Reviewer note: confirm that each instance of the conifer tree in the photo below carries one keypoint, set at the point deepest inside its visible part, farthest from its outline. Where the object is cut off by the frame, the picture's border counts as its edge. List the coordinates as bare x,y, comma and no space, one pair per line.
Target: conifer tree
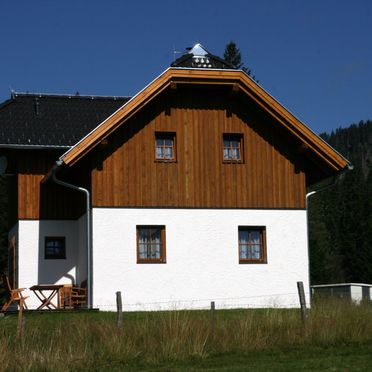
232,55
340,219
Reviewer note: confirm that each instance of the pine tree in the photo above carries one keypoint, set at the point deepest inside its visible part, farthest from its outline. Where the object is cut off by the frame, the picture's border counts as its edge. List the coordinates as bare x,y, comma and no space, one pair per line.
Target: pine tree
232,55
340,219
319,242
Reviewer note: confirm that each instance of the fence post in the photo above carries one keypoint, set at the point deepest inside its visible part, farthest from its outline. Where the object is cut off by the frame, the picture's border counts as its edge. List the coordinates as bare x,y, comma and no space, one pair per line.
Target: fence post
213,315
301,295
21,322
119,308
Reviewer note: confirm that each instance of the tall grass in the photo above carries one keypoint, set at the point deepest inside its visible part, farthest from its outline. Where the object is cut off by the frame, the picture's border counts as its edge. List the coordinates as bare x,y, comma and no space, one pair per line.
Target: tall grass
92,341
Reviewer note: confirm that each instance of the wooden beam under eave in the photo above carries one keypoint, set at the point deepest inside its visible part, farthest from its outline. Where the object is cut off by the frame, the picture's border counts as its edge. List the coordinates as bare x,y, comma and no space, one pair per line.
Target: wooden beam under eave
235,88
264,99
302,148
305,135
209,77
111,124
104,142
336,161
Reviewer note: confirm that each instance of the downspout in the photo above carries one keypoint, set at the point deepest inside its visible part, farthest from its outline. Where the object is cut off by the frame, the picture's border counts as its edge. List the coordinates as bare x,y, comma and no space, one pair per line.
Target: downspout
88,228
349,167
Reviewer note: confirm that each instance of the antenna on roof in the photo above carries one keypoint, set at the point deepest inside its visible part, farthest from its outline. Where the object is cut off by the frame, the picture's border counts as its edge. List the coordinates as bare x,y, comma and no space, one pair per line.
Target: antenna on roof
12,92
175,52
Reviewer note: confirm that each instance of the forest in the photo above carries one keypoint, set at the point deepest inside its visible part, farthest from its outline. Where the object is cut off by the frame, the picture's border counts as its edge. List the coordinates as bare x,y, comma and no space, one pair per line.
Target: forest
340,217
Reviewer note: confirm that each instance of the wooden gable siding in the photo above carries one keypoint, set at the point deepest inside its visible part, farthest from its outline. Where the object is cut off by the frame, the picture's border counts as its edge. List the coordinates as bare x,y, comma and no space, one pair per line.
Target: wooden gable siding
12,193
125,173
42,201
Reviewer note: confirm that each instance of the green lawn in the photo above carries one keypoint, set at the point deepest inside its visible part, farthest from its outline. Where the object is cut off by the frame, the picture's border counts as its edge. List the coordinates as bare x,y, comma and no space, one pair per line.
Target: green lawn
344,358
338,337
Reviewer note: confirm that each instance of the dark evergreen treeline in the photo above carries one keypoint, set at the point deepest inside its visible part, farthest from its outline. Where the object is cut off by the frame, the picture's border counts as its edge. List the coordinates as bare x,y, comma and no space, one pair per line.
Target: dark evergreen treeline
340,218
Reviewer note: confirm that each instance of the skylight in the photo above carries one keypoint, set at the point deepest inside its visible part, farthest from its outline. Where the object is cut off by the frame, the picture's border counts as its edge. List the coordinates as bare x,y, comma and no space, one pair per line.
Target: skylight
200,57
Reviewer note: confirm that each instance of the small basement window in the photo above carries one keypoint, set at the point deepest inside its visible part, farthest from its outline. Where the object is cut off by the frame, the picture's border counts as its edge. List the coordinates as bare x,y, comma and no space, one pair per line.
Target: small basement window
252,244
55,247
165,146
232,148
151,244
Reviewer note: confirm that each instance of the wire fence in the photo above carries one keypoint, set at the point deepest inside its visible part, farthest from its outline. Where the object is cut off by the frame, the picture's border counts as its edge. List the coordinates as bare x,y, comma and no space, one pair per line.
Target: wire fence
108,302
276,300
269,301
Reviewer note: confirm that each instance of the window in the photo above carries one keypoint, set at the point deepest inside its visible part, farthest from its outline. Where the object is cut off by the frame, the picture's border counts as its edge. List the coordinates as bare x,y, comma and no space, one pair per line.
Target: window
150,244
165,146
252,244
55,247
233,148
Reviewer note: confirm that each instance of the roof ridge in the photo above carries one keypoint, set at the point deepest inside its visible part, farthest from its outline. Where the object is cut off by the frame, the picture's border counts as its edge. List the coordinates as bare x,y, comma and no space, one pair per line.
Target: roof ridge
58,95
334,160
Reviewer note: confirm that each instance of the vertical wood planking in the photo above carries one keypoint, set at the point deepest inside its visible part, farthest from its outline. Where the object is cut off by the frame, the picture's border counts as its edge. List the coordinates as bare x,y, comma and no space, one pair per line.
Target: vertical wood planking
199,178
36,200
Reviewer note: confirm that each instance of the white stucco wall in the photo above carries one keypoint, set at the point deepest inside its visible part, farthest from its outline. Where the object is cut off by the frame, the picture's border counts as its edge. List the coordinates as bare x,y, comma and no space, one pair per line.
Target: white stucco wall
33,267
81,269
356,293
202,262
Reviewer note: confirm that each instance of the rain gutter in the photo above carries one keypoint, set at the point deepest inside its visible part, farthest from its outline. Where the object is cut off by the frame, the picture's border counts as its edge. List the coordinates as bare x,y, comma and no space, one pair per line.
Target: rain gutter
34,147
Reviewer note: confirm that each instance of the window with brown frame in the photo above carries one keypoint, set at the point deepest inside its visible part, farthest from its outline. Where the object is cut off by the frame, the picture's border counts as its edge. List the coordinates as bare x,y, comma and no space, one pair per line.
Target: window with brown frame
55,248
252,244
232,148
165,146
151,244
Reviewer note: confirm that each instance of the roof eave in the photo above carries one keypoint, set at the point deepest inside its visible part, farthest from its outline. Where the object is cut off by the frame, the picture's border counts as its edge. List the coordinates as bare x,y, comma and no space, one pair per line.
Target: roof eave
208,76
33,147
68,156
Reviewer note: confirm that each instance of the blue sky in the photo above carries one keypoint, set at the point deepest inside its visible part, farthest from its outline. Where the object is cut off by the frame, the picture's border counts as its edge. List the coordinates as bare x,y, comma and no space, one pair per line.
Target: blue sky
315,57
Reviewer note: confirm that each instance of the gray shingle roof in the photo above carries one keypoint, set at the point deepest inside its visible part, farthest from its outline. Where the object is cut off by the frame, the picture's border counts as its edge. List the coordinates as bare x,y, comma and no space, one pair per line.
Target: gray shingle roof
29,119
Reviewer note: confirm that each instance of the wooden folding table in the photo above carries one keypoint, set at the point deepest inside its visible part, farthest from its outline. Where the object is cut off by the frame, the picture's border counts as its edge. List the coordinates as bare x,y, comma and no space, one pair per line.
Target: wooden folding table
46,293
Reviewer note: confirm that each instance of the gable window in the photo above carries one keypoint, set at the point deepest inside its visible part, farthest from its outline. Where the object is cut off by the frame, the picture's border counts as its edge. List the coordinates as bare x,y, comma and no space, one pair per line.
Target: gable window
233,148
55,247
165,146
150,244
252,244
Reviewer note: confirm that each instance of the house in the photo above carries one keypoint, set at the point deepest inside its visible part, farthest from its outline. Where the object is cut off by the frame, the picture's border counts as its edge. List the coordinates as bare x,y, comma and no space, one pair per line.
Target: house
351,291
191,191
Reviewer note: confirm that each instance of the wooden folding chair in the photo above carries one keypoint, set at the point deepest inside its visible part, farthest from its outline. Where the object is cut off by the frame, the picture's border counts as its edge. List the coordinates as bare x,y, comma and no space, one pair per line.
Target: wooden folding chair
64,297
14,295
71,296
79,295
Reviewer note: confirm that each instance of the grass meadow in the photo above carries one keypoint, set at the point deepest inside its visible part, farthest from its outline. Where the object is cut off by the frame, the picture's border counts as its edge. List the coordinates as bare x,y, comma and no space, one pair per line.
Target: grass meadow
337,337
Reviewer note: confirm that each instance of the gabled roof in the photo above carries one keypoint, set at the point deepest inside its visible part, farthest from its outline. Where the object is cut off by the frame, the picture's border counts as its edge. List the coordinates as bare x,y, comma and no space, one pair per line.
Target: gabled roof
47,120
236,78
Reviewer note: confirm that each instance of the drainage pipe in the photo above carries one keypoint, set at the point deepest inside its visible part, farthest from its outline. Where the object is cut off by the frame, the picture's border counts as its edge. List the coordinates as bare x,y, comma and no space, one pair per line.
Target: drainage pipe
88,228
